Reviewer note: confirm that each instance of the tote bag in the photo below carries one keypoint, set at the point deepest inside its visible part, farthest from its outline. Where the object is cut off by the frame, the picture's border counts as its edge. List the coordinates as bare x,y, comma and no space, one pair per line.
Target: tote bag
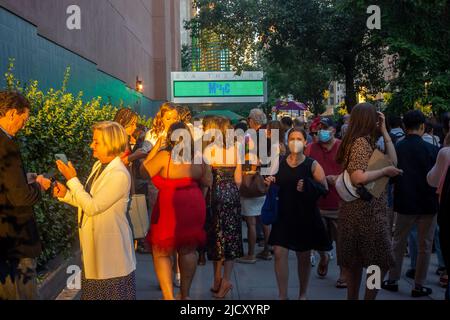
138,212
269,211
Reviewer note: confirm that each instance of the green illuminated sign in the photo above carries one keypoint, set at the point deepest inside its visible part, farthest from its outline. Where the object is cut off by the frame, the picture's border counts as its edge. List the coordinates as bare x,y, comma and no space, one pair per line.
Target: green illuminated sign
243,88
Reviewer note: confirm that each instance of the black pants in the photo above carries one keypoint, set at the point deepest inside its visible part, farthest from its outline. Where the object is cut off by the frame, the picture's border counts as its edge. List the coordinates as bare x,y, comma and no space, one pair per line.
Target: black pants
18,280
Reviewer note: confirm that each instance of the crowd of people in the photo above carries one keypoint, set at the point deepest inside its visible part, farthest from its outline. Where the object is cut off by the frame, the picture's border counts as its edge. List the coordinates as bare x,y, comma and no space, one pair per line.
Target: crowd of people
198,210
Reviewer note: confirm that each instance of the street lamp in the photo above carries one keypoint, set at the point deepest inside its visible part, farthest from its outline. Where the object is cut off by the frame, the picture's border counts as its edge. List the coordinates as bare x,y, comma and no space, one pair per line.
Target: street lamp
139,85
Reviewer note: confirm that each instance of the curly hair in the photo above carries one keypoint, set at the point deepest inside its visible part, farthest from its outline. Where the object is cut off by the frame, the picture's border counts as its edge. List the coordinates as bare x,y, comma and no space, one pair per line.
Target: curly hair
158,124
184,113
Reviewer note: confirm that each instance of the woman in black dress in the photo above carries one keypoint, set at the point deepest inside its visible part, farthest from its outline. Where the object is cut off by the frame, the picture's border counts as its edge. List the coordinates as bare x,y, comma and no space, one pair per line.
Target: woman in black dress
299,226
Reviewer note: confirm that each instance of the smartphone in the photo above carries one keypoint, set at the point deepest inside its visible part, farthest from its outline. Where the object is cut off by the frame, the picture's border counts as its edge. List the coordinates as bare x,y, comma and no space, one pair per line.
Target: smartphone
62,157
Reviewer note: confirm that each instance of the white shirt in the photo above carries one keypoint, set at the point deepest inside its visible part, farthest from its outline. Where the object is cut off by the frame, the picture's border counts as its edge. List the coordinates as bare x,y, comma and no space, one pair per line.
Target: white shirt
431,139
150,141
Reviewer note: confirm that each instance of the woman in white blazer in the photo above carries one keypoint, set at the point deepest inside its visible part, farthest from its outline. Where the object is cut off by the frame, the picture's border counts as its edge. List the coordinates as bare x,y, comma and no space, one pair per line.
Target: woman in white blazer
109,262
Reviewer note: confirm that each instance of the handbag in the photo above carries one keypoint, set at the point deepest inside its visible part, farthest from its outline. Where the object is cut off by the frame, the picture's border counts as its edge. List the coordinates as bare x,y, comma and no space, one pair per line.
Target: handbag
345,188
269,211
253,185
347,191
138,212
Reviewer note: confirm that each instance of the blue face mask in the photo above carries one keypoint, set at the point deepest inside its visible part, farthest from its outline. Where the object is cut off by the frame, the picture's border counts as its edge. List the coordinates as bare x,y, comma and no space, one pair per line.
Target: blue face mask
324,136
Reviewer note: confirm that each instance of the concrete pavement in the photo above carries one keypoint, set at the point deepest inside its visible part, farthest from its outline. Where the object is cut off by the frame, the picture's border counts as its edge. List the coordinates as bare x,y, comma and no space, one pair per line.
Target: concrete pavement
257,282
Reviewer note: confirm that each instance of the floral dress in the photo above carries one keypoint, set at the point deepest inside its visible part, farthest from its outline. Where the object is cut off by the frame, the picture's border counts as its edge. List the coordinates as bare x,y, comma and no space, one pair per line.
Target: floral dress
224,223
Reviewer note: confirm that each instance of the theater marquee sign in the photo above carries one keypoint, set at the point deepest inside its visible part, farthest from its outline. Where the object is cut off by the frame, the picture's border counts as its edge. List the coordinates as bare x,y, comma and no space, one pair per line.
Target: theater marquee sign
218,87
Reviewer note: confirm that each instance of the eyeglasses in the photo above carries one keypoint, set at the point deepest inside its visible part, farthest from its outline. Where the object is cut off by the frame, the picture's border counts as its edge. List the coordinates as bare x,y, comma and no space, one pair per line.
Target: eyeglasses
313,134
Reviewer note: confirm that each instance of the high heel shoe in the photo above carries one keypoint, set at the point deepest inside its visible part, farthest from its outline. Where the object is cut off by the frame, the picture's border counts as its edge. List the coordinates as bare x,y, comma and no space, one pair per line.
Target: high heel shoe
223,291
216,288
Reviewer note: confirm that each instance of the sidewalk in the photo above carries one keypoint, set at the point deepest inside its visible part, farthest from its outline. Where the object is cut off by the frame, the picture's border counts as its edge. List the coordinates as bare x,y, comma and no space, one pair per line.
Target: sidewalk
257,282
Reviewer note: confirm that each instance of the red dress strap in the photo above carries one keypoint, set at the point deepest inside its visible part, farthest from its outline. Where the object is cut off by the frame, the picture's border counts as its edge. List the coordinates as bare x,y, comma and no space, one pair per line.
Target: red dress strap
168,164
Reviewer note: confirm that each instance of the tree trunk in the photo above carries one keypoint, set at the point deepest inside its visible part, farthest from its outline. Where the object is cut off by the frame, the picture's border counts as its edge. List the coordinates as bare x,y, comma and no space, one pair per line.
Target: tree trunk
350,96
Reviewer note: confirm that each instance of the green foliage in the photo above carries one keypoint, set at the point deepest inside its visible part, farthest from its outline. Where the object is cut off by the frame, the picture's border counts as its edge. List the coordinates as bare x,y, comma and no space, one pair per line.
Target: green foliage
59,123
147,122
186,58
418,34
330,35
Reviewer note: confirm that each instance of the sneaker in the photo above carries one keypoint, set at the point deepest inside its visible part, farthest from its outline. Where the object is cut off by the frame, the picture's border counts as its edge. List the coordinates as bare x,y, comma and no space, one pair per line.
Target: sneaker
390,285
246,260
411,273
419,292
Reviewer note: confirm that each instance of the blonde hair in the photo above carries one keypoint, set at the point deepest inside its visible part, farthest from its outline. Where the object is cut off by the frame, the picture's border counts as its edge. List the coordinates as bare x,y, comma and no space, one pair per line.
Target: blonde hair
158,125
114,137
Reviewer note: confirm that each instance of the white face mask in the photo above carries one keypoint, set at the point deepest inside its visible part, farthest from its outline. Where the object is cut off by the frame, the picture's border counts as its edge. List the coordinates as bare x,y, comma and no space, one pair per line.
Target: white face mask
296,146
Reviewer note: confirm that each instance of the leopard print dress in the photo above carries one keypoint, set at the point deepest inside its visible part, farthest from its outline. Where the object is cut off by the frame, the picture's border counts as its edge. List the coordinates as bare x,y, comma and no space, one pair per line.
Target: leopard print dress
363,227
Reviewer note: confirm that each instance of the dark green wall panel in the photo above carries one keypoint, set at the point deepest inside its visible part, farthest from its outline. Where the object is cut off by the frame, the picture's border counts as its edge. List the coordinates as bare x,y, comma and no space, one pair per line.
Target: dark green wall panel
37,58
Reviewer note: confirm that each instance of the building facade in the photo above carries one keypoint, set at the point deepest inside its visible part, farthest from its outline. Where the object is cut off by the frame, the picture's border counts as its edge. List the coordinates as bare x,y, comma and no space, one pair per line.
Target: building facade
119,44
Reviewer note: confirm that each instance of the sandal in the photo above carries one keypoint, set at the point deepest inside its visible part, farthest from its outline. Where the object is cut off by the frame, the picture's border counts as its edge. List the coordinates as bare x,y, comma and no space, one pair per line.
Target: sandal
421,292
341,284
264,255
322,268
390,285
223,291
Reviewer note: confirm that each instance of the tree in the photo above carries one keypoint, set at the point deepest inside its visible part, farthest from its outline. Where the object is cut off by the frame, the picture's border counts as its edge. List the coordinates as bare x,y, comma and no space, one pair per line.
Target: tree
328,32
186,58
418,33
305,81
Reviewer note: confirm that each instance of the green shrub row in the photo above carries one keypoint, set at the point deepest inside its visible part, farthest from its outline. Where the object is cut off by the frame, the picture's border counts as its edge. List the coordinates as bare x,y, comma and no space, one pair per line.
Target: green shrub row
60,122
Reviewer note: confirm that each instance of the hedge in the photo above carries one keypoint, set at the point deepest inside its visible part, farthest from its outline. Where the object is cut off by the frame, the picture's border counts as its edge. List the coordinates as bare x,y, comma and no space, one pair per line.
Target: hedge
60,122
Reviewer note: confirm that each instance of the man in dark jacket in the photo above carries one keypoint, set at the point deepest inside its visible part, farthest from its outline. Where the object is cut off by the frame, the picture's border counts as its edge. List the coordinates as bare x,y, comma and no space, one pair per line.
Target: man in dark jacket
19,238
415,202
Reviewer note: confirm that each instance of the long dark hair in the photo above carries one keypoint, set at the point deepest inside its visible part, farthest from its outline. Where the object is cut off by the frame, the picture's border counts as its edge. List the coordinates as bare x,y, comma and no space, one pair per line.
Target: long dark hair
363,123
125,116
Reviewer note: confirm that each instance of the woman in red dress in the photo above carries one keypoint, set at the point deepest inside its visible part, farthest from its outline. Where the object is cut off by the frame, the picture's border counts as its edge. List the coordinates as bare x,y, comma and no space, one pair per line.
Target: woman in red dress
179,214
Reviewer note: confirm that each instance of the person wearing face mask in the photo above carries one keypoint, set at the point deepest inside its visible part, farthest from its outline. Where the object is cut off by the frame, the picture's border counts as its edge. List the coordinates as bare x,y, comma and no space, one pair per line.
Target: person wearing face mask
415,202
324,152
299,226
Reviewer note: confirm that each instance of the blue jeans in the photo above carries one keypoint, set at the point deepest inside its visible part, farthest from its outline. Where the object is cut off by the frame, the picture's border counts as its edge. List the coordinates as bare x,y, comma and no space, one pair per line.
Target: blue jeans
412,244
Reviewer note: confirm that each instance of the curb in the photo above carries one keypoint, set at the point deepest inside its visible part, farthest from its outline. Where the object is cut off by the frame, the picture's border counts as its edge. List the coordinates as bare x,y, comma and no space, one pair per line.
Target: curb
56,279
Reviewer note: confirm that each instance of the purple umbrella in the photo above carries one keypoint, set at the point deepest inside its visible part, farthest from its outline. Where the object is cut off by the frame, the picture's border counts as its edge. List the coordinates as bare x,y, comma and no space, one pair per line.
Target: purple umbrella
291,106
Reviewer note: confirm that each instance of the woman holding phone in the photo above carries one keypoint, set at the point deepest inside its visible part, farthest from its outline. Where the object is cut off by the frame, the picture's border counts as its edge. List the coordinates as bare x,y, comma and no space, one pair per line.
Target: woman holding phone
109,261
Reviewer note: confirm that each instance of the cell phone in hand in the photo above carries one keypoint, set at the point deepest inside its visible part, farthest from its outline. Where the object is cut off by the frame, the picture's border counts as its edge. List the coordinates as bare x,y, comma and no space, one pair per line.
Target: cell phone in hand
62,157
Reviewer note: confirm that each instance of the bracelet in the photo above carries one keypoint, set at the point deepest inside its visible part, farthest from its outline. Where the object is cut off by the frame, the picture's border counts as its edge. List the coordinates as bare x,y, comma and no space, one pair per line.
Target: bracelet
388,141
